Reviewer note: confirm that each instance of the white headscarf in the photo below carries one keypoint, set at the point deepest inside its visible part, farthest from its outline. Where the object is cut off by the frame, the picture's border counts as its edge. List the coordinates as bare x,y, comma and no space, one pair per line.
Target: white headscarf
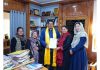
77,36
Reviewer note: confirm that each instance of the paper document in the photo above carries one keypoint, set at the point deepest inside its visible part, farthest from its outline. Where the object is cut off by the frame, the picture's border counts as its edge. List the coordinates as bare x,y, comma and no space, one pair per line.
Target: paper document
53,43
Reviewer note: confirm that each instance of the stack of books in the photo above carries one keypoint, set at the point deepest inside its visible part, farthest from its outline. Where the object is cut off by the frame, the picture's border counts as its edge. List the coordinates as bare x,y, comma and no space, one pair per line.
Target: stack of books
19,57
34,66
7,63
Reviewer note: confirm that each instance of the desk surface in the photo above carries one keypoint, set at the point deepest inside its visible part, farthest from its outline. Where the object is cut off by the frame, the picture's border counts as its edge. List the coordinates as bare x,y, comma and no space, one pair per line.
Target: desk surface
44,68
23,66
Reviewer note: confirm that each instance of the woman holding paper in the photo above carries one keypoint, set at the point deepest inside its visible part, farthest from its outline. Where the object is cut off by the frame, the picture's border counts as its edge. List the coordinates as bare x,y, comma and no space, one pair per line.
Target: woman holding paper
64,44
78,53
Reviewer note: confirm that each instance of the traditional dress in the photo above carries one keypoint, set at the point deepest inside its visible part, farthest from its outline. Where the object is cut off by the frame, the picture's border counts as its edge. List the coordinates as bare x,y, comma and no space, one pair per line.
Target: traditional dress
17,43
79,59
50,54
31,44
63,57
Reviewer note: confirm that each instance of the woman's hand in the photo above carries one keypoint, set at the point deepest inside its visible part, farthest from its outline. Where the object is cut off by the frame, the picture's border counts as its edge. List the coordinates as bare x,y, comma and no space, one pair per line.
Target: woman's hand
57,48
71,52
32,58
36,48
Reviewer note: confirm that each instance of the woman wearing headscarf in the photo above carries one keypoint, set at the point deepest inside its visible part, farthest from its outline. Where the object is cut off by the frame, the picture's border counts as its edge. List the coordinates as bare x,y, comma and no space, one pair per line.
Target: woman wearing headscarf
34,45
18,42
64,44
79,60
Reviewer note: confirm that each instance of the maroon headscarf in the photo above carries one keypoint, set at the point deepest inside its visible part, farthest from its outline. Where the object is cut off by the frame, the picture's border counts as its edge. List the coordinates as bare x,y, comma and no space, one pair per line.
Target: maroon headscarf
60,51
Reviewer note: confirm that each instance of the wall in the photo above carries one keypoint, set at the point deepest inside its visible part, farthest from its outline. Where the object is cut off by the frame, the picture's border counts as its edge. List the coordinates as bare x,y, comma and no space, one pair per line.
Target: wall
7,24
13,5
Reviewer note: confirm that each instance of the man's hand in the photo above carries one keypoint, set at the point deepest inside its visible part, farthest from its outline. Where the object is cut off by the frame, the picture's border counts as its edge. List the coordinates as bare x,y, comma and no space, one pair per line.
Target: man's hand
47,46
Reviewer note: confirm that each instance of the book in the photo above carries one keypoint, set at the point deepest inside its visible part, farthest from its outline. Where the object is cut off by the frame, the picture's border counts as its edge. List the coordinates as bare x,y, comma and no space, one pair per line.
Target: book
34,66
20,53
20,56
7,63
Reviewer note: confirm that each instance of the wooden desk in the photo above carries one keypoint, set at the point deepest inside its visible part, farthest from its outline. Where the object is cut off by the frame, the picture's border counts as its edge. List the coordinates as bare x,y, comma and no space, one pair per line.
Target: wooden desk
23,67
44,68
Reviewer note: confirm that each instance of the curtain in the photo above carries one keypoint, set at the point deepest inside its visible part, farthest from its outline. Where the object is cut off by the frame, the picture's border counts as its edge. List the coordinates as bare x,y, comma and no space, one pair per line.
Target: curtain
17,19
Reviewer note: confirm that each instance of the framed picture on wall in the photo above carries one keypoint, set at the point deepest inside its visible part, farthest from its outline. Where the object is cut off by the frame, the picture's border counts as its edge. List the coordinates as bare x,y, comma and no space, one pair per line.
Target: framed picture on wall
56,10
36,12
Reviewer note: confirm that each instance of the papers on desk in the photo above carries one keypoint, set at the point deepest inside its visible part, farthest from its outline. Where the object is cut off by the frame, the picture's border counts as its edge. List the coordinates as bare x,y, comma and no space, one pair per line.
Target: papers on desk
53,43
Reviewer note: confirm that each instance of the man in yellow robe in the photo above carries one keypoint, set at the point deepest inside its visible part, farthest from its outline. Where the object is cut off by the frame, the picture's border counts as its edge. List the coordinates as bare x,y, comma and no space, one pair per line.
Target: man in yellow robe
49,54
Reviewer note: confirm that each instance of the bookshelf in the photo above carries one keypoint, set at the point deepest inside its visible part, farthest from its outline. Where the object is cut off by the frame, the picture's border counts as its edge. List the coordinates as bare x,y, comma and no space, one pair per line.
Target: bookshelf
38,20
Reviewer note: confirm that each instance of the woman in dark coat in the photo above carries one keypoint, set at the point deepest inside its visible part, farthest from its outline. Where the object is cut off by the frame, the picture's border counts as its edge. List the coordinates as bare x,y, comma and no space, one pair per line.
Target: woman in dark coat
78,53
64,44
33,44
18,42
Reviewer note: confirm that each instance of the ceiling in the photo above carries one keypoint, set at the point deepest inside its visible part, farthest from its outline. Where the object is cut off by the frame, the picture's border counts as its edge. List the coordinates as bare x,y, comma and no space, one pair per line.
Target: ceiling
45,1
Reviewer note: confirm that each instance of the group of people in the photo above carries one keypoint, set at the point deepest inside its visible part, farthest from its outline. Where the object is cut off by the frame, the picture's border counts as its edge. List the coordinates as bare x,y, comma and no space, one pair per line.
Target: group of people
70,53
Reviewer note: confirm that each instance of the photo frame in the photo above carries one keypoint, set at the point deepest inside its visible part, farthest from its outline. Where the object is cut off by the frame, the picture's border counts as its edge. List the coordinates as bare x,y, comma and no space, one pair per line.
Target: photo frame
36,12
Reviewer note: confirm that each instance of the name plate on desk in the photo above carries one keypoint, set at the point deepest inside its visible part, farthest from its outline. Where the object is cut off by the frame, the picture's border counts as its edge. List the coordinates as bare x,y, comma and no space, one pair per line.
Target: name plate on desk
53,43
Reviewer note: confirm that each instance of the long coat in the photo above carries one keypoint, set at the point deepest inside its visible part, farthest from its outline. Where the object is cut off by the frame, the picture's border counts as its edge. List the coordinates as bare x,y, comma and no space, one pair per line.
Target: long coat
28,45
66,55
79,59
